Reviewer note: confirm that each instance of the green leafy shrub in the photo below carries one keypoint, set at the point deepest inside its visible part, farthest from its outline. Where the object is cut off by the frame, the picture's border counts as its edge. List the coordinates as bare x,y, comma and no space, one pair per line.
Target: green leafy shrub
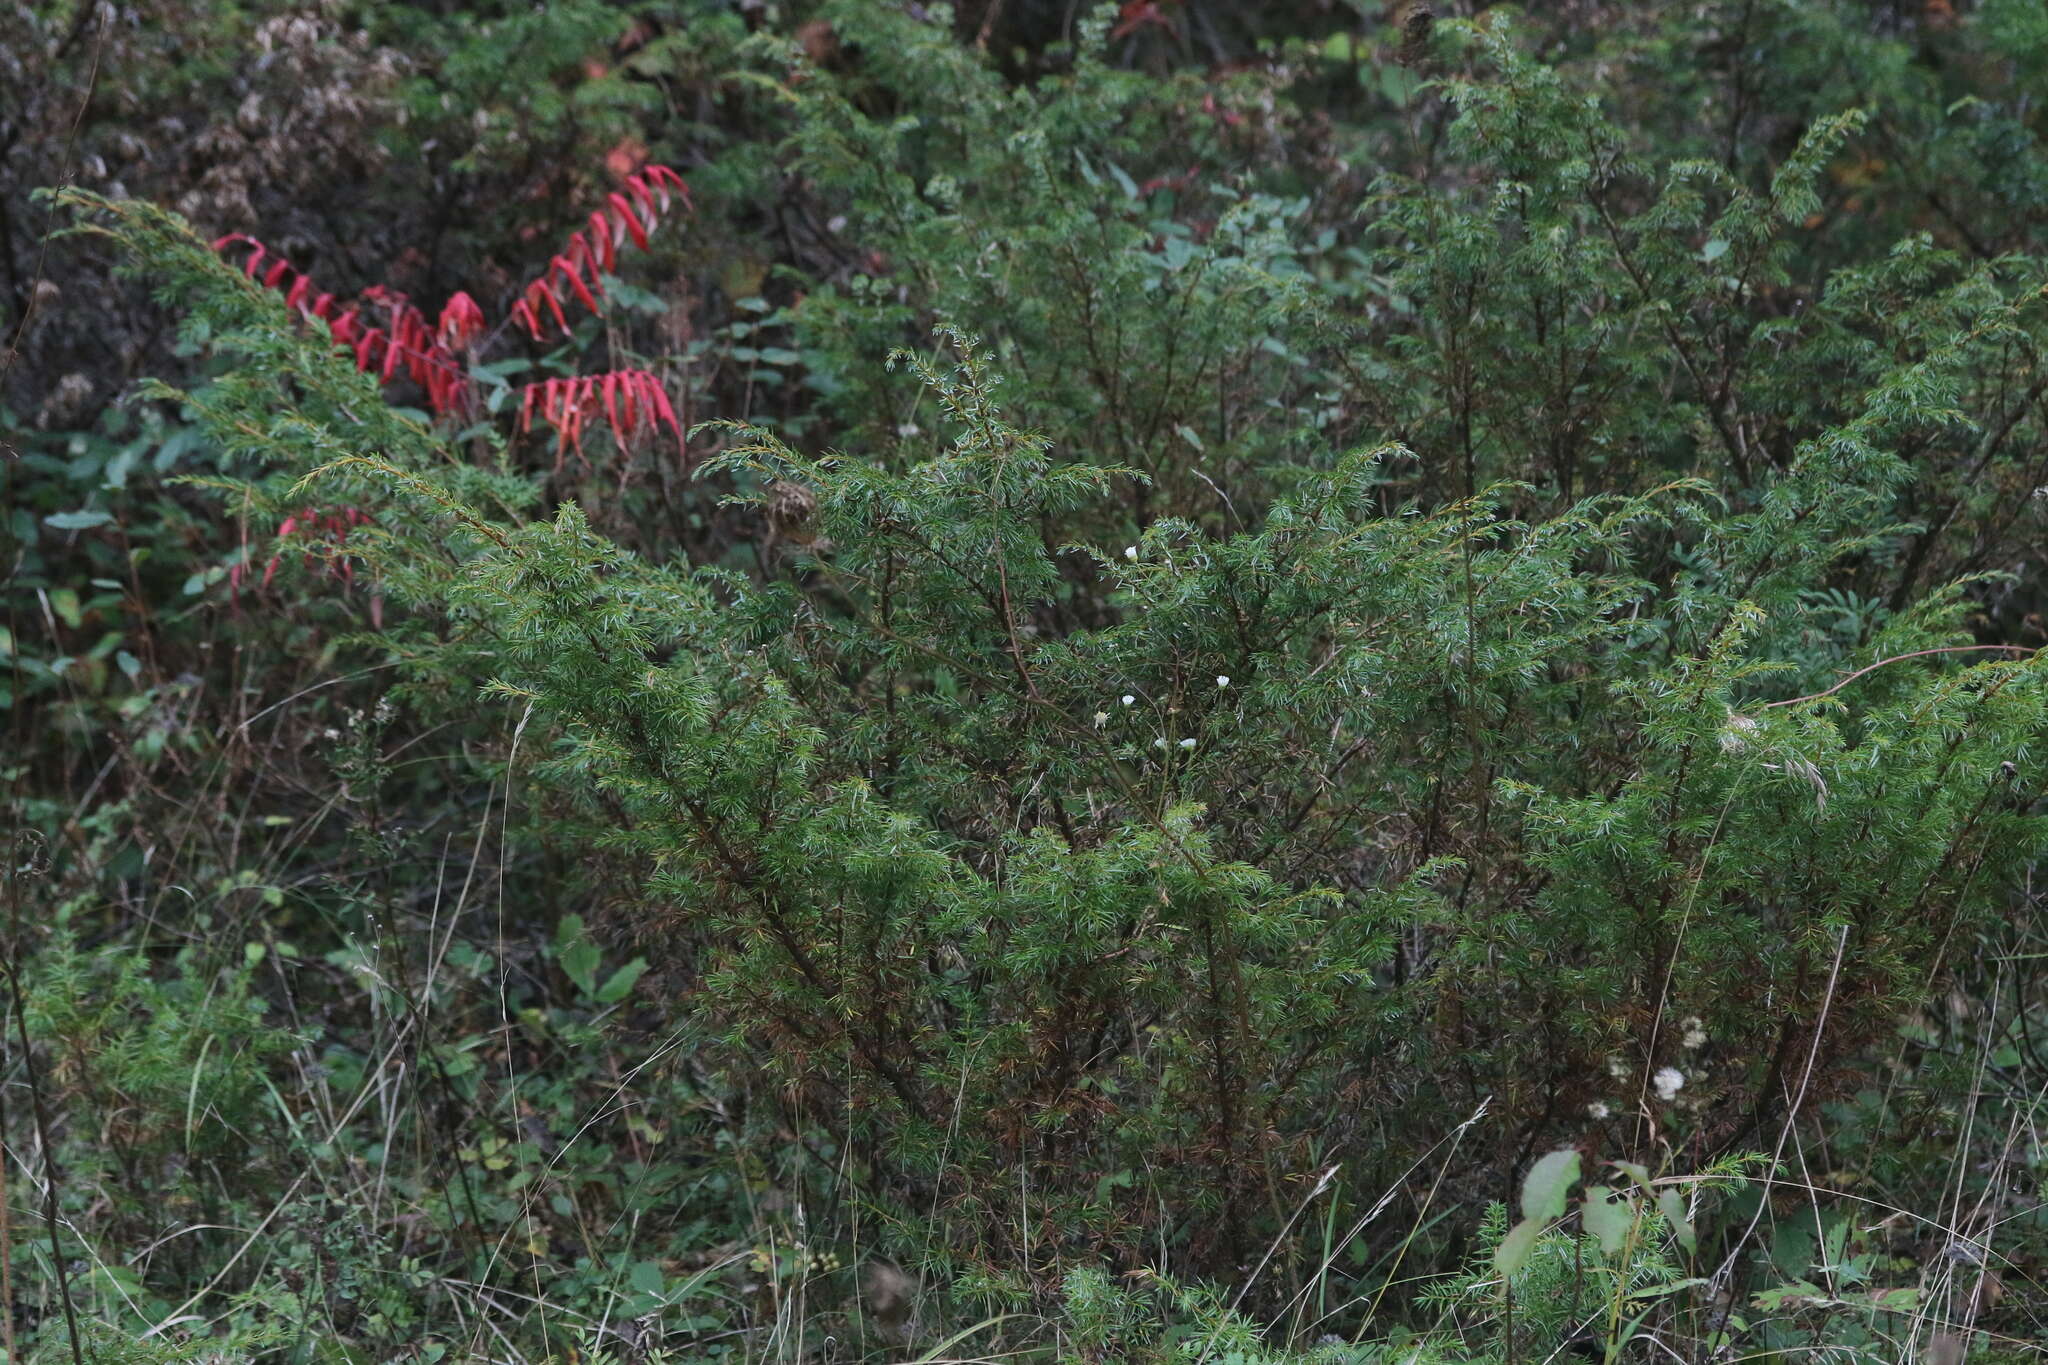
1277,702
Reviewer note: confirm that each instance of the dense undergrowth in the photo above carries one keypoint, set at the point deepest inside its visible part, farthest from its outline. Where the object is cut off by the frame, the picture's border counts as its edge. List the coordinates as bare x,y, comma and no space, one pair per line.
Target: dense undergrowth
1305,687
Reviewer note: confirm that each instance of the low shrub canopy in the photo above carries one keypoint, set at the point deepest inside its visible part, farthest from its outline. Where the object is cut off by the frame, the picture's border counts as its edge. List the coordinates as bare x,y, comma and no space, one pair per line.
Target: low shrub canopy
1180,693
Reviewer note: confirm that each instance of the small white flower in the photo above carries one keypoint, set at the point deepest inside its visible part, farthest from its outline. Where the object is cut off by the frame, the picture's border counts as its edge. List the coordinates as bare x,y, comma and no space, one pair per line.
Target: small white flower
1668,1081
1695,1033
1598,1109
1223,680
1130,552
1129,699
1159,743
1617,1068
909,429
1187,744
1101,719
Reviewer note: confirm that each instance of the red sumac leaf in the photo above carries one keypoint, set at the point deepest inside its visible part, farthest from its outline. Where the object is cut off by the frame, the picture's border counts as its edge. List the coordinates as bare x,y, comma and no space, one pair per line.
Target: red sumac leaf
668,413
631,223
611,407
461,322
568,271
641,194
547,293
664,179
585,258
522,311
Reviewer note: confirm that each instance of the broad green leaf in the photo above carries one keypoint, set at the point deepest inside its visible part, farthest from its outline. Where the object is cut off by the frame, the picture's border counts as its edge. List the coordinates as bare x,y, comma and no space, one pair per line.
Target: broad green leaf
620,983
1515,1249
1544,1188
1672,1205
579,961
1635,1171
77,521
577,955
1608,1216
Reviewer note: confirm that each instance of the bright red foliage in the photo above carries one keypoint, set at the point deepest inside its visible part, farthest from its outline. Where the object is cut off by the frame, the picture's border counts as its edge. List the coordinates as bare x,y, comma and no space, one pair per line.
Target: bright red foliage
1137,14
630,401
591,252
329,526
388,335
